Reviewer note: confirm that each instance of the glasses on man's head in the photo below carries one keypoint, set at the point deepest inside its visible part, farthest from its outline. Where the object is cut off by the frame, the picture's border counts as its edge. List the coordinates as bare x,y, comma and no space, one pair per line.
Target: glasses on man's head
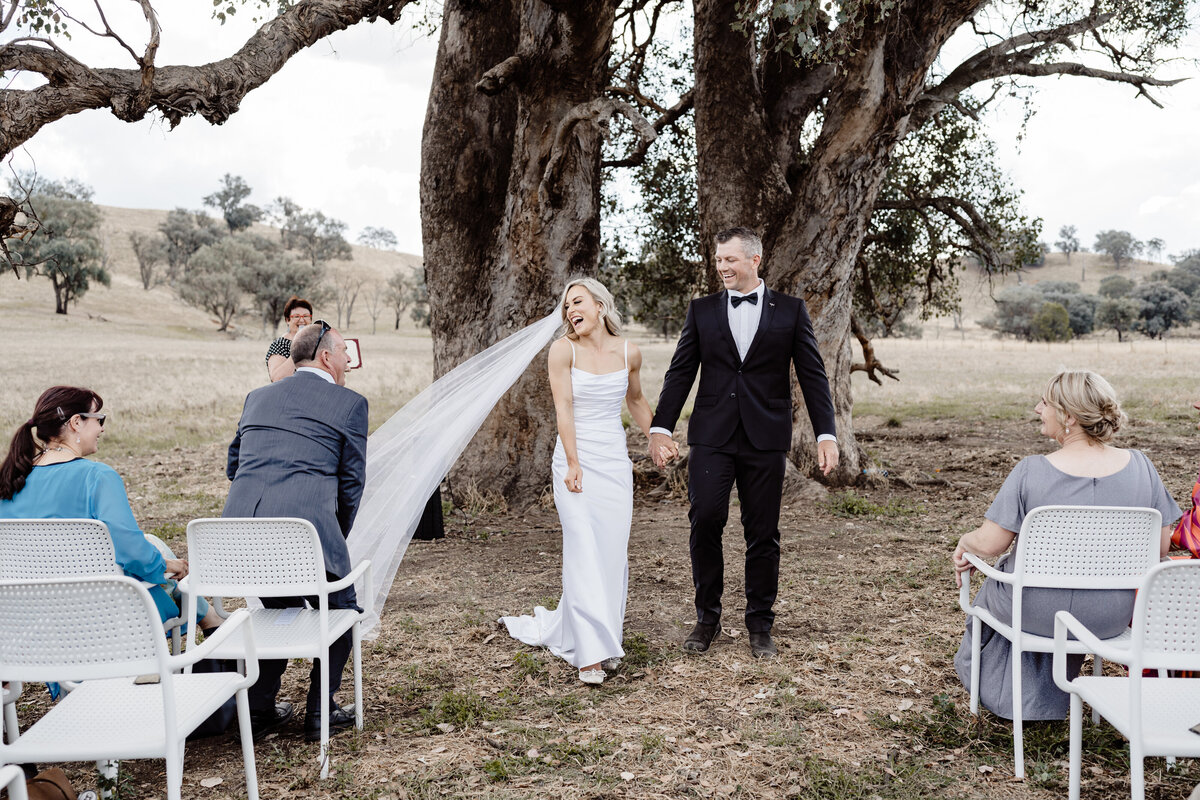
325,328
98,417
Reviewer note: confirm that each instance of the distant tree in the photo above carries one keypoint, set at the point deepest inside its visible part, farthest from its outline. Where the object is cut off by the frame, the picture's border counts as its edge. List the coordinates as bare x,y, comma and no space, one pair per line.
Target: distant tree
150,250
398,293
1051,324
186,232
378,238
319,238
66,248
212,281
1120,246
347,284
1081,308
238,215
1068,241
1016,307
375,300
1162,309
1154,248
1115,286
1158,276
1118,313
274,278
419,307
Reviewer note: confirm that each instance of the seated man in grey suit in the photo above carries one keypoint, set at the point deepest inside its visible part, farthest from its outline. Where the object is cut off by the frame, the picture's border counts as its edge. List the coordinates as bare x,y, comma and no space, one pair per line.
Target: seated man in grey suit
300,451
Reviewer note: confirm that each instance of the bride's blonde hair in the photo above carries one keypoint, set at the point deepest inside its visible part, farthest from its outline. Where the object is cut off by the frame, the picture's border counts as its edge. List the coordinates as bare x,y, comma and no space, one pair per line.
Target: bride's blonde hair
603,297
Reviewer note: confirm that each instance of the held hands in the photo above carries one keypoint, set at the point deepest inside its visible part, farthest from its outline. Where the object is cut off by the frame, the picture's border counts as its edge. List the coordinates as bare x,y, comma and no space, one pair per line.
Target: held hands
574,479
176,568
827,456
663,449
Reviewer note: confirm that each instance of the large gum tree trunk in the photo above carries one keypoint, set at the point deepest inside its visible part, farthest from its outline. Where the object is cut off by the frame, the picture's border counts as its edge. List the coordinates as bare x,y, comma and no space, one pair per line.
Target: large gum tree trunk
510,202
812,207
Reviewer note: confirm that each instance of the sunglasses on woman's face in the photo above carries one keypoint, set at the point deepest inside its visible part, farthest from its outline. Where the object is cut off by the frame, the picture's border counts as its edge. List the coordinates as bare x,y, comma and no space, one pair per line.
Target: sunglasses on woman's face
100,417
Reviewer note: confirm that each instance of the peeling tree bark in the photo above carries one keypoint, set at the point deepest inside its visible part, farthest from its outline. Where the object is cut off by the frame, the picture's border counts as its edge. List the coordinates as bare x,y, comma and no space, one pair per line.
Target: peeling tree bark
510,201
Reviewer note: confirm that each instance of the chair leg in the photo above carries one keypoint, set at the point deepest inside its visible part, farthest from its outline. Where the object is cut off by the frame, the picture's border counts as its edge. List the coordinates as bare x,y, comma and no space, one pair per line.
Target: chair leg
243,709
1018,712
1097,671
11,731
1137,772
1076,747
174,770
356,633
324,753
976,634
108,769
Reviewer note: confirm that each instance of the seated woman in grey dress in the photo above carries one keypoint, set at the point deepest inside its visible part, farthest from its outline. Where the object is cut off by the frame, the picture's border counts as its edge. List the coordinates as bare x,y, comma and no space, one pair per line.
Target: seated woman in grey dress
1080,412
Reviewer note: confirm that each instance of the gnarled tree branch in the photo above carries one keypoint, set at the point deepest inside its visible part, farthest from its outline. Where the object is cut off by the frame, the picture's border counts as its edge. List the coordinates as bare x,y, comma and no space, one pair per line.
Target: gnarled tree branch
594,114
870,364
669,117
214,91
498,77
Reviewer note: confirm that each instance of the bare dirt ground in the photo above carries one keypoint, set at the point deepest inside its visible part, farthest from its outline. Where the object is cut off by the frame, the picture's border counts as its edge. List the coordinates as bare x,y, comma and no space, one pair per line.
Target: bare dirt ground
862,702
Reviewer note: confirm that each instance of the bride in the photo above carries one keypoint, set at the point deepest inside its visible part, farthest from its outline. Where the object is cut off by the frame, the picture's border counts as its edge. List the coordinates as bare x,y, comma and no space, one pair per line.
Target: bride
591,368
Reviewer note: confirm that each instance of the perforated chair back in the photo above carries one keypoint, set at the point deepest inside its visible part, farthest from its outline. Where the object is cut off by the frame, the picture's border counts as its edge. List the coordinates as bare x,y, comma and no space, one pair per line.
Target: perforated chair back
1166,616
1087,547
249,556
78,629
36,549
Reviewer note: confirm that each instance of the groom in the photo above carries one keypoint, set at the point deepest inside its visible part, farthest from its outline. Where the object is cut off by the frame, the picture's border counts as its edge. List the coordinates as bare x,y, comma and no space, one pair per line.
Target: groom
745,338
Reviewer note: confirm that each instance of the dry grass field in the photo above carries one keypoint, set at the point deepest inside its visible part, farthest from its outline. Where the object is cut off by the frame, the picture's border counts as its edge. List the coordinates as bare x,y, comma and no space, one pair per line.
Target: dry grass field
863,702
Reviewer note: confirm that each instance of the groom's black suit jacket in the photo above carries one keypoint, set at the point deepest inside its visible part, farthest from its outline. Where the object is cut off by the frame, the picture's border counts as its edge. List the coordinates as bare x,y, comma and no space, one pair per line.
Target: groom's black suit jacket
755,392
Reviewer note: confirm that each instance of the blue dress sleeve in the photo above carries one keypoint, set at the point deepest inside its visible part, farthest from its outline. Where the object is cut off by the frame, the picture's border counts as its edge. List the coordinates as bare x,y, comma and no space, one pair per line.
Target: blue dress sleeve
110,505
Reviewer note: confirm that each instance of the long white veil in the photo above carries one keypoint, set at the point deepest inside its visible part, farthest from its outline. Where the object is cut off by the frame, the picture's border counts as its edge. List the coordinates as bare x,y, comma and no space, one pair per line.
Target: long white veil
408,455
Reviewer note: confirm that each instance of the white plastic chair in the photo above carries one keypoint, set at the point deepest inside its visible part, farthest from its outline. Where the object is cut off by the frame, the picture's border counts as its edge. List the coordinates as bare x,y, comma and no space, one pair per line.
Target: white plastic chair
12,690
12,778
1154,714
278,557
33,549
105,631
1063,547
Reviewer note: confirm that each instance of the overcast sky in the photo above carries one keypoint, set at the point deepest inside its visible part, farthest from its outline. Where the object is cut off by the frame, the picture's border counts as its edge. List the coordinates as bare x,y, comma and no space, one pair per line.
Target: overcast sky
339,129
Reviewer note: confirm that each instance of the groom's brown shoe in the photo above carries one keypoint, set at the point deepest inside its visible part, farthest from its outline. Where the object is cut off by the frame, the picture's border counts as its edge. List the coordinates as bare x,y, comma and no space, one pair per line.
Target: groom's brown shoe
761,645
700,637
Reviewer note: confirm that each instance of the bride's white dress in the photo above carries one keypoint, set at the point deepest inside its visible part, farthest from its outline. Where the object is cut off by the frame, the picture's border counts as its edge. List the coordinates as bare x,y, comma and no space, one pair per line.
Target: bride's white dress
586,627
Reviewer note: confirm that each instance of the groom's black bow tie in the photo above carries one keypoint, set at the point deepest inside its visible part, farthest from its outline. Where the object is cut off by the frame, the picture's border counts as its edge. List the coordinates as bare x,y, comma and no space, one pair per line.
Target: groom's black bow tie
752,299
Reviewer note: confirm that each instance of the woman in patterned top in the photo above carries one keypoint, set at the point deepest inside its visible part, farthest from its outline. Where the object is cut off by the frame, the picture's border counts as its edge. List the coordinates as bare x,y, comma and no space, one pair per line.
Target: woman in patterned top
298,313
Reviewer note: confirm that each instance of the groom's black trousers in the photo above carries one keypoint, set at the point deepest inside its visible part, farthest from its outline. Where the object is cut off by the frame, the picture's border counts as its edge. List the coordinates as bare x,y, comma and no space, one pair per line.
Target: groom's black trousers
758,474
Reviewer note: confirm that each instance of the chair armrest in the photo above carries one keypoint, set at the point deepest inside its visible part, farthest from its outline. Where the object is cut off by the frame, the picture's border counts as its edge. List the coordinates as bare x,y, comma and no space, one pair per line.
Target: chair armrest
13,777
360,568
1065,622
988,570
238,619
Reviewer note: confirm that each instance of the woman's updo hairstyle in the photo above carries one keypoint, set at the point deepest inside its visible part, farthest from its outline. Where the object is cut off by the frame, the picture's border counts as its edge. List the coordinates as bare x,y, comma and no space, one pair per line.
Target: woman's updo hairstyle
1090,399
53,411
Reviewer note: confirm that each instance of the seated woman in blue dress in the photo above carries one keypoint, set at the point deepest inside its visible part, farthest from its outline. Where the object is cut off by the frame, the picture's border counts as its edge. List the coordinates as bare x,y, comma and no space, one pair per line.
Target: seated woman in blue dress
54,480
1080,412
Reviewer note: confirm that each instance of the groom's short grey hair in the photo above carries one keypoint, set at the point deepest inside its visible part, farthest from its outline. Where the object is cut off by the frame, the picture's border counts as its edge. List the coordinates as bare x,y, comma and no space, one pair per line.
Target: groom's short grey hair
303,341
751,241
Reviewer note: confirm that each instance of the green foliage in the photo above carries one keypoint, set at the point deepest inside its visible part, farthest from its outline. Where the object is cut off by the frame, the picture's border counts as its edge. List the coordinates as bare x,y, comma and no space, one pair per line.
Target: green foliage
213,280
318,238
1051,323
1068,240
66,249
1015,309
1081,308
150,250
273,279
1119,314
378,238
238,215
460,709
1120,246
919,235
186,232
1162,309
1115,286
849,504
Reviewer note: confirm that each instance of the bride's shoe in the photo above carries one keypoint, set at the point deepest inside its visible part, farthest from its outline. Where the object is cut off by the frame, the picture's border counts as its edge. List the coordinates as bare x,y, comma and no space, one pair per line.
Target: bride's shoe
610,664
595,677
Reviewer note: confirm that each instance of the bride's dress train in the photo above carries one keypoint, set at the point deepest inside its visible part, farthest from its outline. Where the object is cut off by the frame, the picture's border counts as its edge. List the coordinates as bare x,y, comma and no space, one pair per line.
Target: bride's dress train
586,627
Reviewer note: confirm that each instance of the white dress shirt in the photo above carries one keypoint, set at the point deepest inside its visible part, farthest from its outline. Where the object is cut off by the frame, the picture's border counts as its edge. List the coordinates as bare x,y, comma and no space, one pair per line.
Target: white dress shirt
317,371
743,324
